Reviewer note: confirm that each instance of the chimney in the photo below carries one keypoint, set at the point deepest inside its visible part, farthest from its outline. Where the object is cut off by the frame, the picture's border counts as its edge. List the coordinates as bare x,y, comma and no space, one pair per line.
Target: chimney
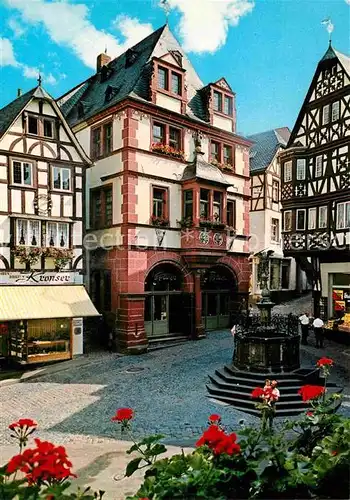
19,92
102,60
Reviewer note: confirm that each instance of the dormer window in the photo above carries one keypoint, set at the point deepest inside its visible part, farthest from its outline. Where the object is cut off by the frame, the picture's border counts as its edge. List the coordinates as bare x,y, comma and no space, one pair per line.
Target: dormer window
163,78
228,105
42,126
33,125
170,81
222,103
217,101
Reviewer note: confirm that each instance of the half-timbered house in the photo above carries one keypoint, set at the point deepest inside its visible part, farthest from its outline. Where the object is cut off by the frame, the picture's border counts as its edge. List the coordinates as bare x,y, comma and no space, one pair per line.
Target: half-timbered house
286,278
316,185
167,197
42,177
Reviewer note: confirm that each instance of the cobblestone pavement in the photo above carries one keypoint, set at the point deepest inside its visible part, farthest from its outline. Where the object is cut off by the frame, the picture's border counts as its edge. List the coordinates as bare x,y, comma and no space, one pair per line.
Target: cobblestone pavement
167,388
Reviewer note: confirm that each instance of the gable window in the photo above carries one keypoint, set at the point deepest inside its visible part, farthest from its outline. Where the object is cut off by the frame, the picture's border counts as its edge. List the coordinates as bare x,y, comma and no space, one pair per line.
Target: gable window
228,105
287,169
275,230
287,220
33,125
57,235
163,78
188,204
322,217
215,151
159,203
300,223
22,173
28,232
48,127
61,178
176,83
227,154
301,169
325,114
231,213
217,206
319,166
217,98
174,138
343,215
158,133
275,191
312,218
335,111
101,140
204,204
101,207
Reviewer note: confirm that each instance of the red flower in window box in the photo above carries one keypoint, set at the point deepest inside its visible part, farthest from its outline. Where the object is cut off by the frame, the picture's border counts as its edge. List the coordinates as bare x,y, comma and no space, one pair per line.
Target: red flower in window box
159,221
165,149
308,392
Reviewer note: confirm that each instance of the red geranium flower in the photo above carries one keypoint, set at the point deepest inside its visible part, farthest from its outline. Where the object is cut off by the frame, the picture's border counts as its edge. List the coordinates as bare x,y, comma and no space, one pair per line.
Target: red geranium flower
258,392
324,362
214,418
218,441
23,422
309,413
123,414
334,453
308,392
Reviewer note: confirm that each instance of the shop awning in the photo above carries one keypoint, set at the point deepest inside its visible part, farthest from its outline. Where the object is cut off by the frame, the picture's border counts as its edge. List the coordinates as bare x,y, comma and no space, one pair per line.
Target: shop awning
43,302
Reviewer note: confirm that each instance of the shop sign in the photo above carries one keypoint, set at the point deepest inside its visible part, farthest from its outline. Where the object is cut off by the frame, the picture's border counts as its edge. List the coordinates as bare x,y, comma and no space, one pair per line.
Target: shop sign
40,278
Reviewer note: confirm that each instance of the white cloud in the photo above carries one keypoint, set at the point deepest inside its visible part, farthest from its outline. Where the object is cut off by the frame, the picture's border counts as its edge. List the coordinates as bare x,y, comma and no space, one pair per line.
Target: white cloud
8,58
68,24
204,24
348,2
16,27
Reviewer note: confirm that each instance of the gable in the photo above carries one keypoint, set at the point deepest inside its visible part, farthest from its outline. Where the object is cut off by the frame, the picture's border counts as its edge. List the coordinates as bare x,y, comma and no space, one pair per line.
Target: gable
173,57
223,84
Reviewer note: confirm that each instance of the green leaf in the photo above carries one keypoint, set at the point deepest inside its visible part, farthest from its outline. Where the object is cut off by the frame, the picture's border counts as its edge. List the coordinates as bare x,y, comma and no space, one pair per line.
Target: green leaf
132,466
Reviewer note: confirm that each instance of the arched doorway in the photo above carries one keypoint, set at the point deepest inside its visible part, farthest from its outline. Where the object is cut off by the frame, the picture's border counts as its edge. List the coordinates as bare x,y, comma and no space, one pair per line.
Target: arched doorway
165,310
218,286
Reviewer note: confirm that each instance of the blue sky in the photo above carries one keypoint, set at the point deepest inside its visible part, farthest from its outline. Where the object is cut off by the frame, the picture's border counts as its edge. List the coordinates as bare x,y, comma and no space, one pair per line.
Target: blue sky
267,49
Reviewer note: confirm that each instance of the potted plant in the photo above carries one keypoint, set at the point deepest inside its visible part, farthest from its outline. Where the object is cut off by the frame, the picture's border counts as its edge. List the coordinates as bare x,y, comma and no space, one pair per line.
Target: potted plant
27,255
185,222
159,221
61,256
164,149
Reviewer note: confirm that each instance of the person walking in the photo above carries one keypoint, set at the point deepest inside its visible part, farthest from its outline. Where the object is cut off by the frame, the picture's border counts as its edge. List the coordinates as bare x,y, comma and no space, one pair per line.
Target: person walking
318,331
304,322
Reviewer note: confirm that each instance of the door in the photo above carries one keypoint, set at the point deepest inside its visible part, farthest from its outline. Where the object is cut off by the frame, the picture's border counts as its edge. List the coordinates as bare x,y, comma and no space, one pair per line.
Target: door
157,315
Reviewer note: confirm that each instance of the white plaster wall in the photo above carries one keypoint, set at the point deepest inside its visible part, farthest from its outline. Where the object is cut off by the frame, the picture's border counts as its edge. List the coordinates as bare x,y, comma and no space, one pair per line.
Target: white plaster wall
43,178
29,202
239,162
56,205
159,166
63,134
16,200
146,236
257,231
168,102
223,123
68,206
48,109
3,198
33,106
77,233
73,152
83,137
144,202
79,204
42,165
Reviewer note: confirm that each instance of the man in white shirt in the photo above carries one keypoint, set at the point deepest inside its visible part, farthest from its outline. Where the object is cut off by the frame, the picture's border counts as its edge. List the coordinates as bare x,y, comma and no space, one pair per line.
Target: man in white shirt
304,322
318,330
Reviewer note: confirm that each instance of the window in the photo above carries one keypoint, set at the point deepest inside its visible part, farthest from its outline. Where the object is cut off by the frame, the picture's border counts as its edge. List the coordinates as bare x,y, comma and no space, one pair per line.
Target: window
96,209
176,83
48,127
188,204
287,220
159,197
204,204
61,178
174,138
322,217
275,230
301,169
319,166
108,195
227,154
33,125
288,171
275,274
96,143
215,151
107,138
300,225
158,133
101,208
228,105
312,218
57,235
22,173
335,111
217,206
343,215
28,232
163,75
325,114
231,214
275,191
217,97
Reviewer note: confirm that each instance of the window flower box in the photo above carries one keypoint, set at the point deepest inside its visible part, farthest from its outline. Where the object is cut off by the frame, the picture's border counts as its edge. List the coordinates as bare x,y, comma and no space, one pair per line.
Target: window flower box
61,256
27,255
159,221
185,222
213,223
223,166
164,149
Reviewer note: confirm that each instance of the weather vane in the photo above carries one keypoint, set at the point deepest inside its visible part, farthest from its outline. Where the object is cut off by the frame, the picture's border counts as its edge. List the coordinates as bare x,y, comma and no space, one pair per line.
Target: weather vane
329,27
164,4
39,79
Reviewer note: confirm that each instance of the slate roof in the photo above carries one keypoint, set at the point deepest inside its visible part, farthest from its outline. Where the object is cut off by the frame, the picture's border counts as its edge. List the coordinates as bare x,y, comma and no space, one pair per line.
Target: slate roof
11,111
265,147
344,60
200,169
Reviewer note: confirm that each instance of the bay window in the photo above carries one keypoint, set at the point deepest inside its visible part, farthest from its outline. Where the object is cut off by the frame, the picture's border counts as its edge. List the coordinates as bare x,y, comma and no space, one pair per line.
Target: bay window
217,206
287,220
301,169
28,232
204,204
312,218
188,204
322,217
300,223
288,172
343,215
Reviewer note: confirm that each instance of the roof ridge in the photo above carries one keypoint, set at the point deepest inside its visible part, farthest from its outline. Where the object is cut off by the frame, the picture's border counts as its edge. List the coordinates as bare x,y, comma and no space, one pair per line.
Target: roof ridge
26,94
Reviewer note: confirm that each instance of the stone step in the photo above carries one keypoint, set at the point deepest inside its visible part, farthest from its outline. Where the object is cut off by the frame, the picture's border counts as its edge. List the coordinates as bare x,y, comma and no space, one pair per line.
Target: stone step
247,389
281,376
229,377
